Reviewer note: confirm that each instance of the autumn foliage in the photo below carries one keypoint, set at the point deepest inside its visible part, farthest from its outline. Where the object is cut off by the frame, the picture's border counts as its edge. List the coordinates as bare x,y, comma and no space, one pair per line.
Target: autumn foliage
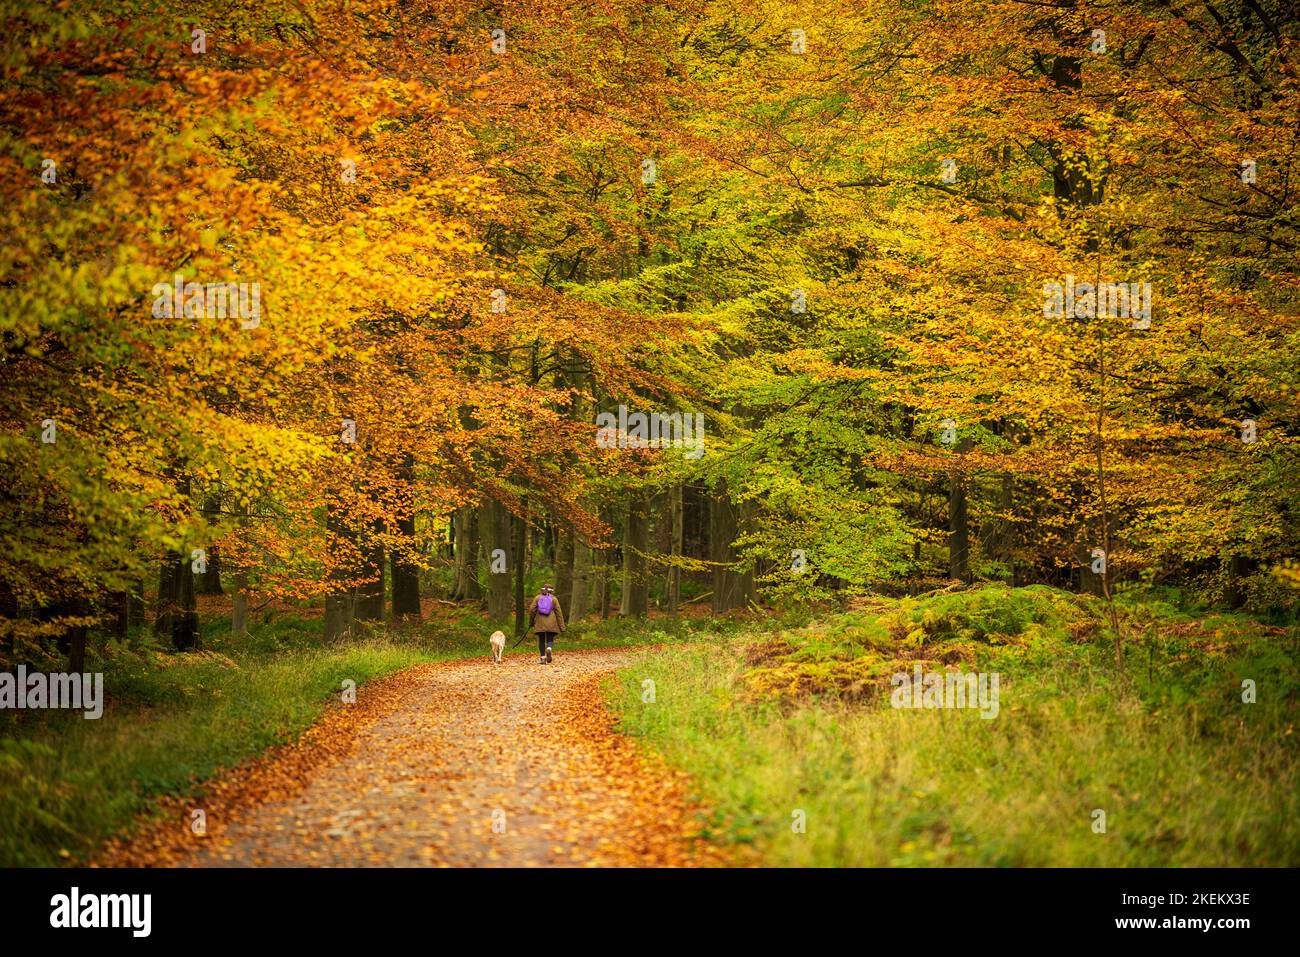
335,292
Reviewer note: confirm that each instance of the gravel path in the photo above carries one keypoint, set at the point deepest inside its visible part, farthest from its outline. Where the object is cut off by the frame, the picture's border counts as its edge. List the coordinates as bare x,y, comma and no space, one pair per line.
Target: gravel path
479,764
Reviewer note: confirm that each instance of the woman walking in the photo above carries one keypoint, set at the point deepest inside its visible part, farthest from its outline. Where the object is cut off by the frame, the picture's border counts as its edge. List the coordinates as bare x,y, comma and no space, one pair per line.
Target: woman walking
547,621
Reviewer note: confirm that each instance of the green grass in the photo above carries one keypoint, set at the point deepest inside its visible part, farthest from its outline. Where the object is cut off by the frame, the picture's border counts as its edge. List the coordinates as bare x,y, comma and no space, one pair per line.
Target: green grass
174,720
772,717
779,721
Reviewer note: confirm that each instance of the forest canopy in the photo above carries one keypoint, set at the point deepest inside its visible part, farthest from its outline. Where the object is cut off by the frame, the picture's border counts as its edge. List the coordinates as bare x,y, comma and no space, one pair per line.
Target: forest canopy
762,302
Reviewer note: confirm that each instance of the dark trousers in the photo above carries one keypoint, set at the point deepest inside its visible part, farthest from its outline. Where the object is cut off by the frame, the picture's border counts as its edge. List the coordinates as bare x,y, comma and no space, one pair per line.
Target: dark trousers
544,638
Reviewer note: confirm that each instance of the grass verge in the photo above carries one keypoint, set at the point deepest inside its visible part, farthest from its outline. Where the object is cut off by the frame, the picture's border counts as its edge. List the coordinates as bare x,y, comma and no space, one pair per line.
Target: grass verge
172,721
790,735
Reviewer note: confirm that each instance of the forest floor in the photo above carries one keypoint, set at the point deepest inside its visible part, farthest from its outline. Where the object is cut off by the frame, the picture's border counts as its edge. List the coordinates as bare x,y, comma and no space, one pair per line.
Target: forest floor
449,764
712,740
796,738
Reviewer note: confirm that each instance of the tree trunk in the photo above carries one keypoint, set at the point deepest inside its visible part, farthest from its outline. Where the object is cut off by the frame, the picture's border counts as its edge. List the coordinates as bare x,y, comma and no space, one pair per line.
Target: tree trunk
340,602
465,582
119,607
1238,567
72,641
1090,582
177,617
406,574
340,612
636,585
606,580
165,600
76,638
239,606
731,588
210,581
1005,546
370,597
135,607
521,568
958,520
746,578
564,562
494,534
581,580
674,588
8,612
185,624
958,531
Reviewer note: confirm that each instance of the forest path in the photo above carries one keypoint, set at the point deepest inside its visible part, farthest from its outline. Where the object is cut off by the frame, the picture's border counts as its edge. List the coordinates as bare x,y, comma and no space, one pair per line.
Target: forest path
476,764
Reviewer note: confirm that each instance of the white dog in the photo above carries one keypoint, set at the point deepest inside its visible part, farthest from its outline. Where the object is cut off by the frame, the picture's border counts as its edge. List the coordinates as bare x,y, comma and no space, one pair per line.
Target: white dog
498,646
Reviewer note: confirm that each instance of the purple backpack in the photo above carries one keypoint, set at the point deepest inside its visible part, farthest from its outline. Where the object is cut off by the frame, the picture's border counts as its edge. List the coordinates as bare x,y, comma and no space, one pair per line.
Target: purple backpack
545,604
